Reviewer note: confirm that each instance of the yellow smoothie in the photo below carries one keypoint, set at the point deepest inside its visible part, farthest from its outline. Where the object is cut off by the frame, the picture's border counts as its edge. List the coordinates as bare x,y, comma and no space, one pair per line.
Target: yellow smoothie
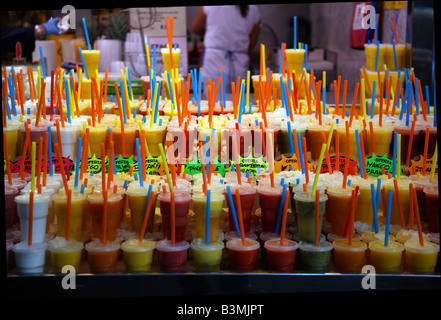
421,259
199,208
65,253
389,58
78,203
386,259
371,56
138,255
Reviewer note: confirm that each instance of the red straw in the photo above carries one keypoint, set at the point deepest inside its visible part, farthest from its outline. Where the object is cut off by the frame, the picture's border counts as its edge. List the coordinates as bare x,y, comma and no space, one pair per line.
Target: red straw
411,209
239,214
285,210
417,215
204,173
397,198
317,217
172,204
68,212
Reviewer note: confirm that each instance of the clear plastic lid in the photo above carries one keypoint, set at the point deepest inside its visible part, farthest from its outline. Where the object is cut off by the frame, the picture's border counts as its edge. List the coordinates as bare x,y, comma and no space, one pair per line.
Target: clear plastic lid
310,246
287,245
236,244
167,245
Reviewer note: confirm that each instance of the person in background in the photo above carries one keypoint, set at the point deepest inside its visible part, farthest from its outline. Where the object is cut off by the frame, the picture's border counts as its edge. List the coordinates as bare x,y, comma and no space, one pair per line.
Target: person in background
229,33
28,35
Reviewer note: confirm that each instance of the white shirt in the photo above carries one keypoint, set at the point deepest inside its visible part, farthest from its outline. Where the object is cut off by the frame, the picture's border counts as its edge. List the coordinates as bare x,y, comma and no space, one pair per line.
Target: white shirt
226,42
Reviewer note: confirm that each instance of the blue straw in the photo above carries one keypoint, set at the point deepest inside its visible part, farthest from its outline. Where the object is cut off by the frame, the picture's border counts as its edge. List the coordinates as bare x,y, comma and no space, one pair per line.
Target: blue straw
83,186
154,58
299,141
77,168
434,104
207,218
12,94
67,102
129,82
376,28
123,101
376,56
416,95
224,99
374,88
295,32
395,56
84,62
49,151
428,99
126,182
306,56
233,210
138,153
200,87
360,160
86,34
282,204
135,175
374,206
389,208
291,144
43,69
170,88
324,99
394,157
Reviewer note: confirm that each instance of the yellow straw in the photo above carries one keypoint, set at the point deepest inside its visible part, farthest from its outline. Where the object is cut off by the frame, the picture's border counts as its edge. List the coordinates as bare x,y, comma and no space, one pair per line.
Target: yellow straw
34,148
148,55
434,160
263,59
398,156
324,79
164,161
319,167
330,136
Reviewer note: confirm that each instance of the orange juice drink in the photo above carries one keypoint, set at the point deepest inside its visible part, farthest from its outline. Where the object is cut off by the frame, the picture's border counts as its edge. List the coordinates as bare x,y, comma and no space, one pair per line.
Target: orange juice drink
176,54
338,207
364,212
153,136
389,57
421,258
65,253
349,257
382,138
92,60
371,77
137,203
371,56
97,135
216,207
78,203
403,189
137,255
294,60
341,131
386,259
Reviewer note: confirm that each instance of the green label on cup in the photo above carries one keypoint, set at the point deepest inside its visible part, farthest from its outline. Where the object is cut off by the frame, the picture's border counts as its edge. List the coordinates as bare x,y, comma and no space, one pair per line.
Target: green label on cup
94,165
194,166
250,164
374,164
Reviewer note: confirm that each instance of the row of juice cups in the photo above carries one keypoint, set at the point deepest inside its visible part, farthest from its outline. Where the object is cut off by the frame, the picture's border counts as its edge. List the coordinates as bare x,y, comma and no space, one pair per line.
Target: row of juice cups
137,255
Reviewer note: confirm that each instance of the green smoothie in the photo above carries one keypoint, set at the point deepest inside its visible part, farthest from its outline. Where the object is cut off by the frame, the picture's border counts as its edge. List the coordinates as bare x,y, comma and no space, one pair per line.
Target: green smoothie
305,210
315,258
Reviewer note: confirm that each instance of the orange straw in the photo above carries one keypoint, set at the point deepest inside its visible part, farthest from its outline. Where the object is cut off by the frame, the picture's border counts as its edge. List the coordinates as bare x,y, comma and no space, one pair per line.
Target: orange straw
411,209
371,130
353,103
61,165
426,145
397,198
239,214
337,152
343,106
328,158
412,129
146,216
366,81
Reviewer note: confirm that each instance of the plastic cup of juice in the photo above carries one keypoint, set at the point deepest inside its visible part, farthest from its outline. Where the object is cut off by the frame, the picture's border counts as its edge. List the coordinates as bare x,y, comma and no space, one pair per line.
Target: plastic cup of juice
206,257
341,131
176,53
98,135
338,207
199,207
131,132
182,206
421,259
154,135
92,60
389,57
386,259
69,135
403,189
65,253
333,237
349,257
29,258
371,56
294,60
370,236
115,204
138,255
11,131
40,213
172,257
315,258
10,206
280,257
102,257
137,202
242,257
78,203
383,139
305,210
269,200
314,139
432,205
247,195
364,212
419,186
